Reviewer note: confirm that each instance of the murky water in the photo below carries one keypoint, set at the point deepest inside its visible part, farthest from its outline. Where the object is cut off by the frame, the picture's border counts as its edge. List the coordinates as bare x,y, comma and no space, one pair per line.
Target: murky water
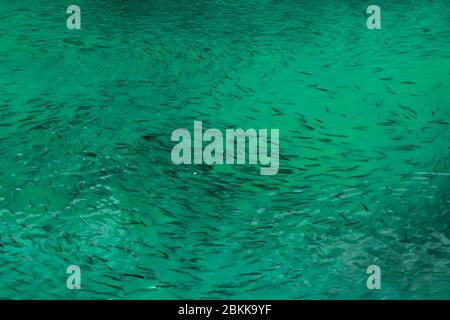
86,179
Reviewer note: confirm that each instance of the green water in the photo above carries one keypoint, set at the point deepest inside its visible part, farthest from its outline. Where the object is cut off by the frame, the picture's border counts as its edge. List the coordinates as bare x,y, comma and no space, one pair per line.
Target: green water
86,179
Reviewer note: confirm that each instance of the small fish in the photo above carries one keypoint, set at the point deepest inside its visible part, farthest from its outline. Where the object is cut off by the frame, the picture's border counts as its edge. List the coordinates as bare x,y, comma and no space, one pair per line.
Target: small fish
364,206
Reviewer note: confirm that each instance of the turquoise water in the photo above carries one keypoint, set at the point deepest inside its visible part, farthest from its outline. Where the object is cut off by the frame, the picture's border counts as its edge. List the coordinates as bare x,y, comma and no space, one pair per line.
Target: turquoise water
87,178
